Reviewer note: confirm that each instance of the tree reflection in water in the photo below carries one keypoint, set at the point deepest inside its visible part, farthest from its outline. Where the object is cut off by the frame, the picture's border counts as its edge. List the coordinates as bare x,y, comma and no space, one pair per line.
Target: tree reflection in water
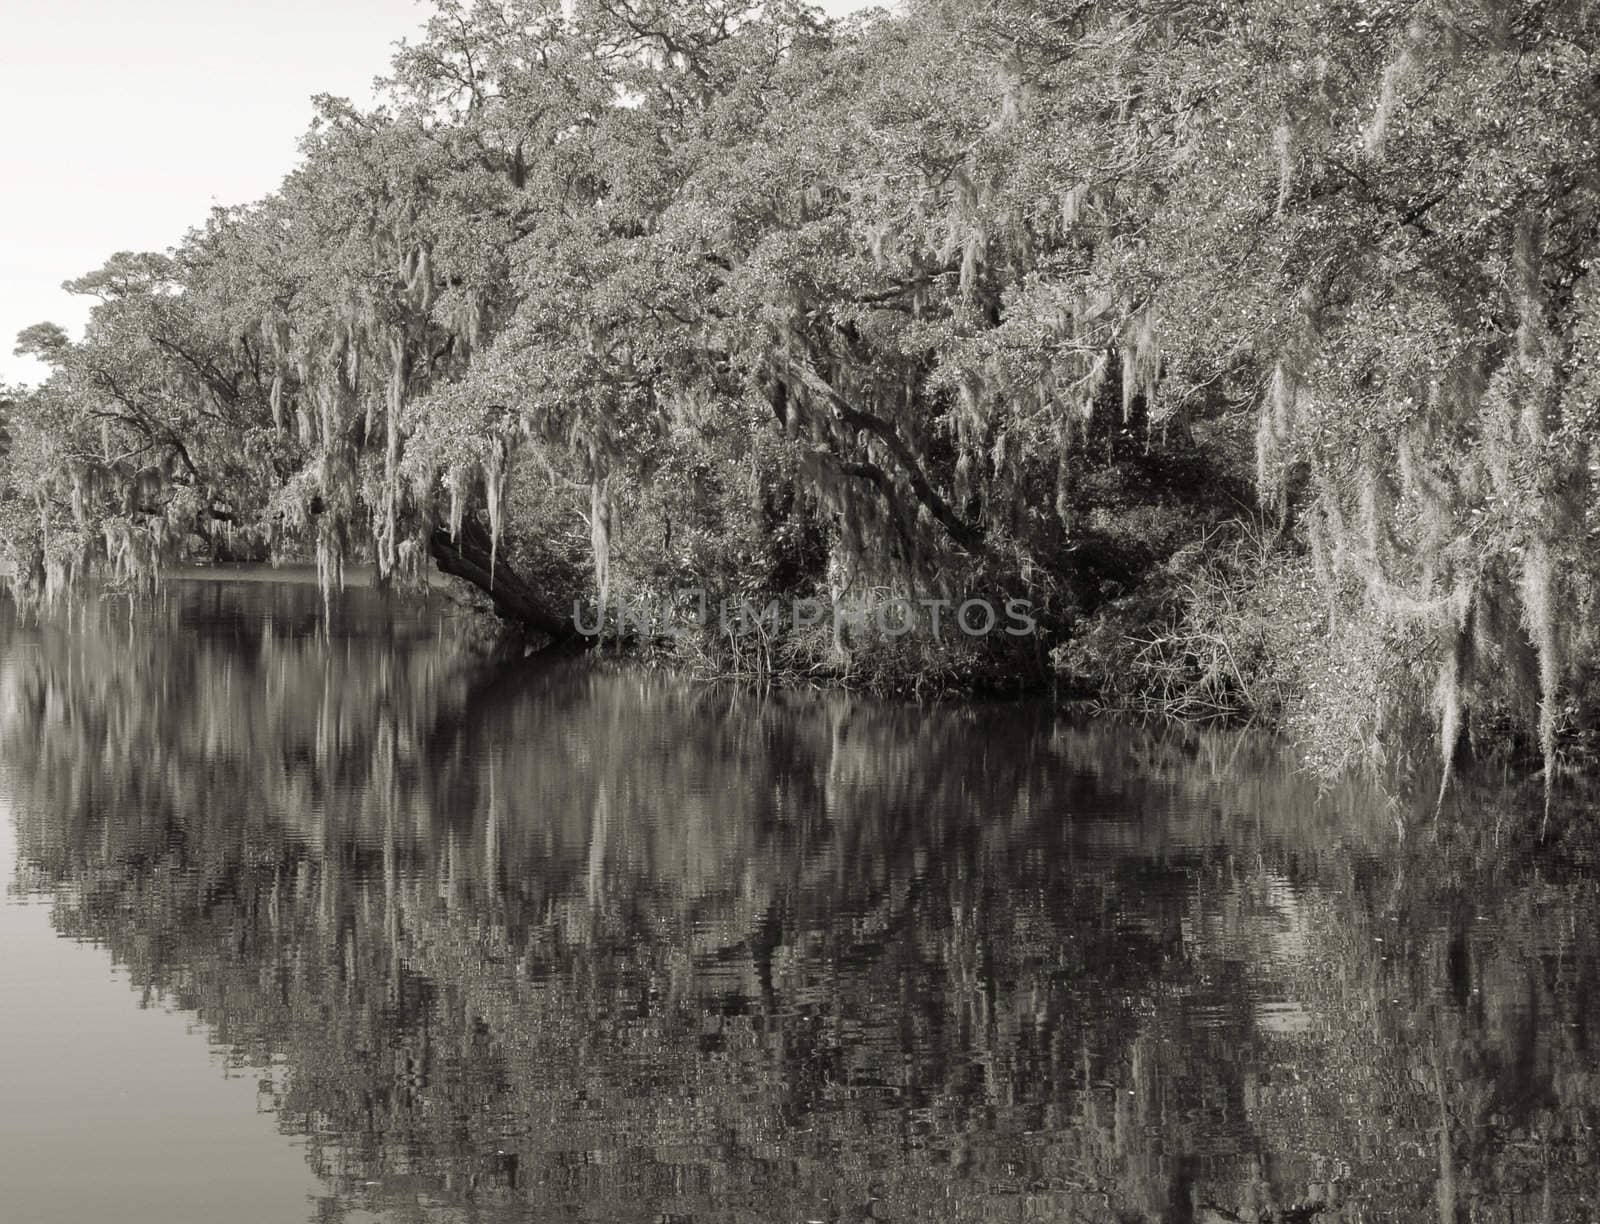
560,942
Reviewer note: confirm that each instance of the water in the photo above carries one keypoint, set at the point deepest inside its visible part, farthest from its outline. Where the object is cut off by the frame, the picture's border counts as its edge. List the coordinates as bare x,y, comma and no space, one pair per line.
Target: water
338,920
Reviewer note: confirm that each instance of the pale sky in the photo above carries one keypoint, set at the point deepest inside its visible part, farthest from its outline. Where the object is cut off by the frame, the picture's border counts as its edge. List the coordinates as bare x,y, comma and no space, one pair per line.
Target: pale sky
126,120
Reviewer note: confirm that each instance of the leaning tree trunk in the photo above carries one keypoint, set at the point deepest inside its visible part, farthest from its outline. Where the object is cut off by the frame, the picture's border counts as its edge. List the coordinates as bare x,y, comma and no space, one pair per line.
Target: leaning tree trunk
469,556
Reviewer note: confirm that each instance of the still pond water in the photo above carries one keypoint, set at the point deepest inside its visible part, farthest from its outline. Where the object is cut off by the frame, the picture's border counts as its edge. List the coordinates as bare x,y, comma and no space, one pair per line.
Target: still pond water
333,919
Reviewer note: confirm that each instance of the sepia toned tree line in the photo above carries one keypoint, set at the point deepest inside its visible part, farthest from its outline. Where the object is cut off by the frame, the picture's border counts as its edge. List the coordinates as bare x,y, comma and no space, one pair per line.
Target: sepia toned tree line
633,295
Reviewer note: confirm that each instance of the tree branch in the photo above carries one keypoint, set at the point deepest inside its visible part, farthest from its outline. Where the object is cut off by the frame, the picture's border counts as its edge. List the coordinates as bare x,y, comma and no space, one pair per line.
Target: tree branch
967,536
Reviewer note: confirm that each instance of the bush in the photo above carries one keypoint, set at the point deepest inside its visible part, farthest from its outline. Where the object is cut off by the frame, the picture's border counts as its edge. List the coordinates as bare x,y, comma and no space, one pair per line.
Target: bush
1218,631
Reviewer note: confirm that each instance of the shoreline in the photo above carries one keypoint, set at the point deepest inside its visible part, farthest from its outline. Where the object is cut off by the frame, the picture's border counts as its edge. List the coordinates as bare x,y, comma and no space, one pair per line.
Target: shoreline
866,673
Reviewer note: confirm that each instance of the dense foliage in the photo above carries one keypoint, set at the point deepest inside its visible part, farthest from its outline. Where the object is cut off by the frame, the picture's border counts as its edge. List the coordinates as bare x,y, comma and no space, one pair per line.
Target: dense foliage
635,295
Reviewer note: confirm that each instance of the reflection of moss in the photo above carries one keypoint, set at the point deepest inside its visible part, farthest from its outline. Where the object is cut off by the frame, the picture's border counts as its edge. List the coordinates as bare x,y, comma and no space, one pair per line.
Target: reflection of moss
532,939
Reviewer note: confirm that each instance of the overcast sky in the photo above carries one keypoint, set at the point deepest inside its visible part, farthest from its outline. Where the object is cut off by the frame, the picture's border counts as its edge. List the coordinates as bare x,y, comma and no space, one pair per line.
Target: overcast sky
128,119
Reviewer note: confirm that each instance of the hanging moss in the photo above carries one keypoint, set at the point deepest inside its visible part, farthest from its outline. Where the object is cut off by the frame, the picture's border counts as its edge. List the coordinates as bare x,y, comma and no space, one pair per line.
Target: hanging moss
1283,147
1141,362
494,483
600,535
1538,585
1395,74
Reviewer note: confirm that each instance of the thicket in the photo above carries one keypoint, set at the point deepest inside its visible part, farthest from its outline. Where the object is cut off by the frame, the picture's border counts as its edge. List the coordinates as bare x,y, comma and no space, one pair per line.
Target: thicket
1254,343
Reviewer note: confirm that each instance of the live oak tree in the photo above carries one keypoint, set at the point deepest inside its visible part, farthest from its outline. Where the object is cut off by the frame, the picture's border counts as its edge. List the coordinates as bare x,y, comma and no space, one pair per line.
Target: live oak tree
150,431
1393,210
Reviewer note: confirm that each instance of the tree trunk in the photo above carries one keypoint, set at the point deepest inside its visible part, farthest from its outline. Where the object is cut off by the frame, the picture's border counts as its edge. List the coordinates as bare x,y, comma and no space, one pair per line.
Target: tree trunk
468,557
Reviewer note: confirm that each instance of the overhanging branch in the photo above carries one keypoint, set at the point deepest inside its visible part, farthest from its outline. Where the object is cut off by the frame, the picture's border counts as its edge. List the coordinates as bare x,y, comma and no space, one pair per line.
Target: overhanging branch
967,536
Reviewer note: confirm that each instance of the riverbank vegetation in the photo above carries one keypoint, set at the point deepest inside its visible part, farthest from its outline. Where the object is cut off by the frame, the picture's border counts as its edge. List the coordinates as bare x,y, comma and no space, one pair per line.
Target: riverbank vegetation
1255,344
